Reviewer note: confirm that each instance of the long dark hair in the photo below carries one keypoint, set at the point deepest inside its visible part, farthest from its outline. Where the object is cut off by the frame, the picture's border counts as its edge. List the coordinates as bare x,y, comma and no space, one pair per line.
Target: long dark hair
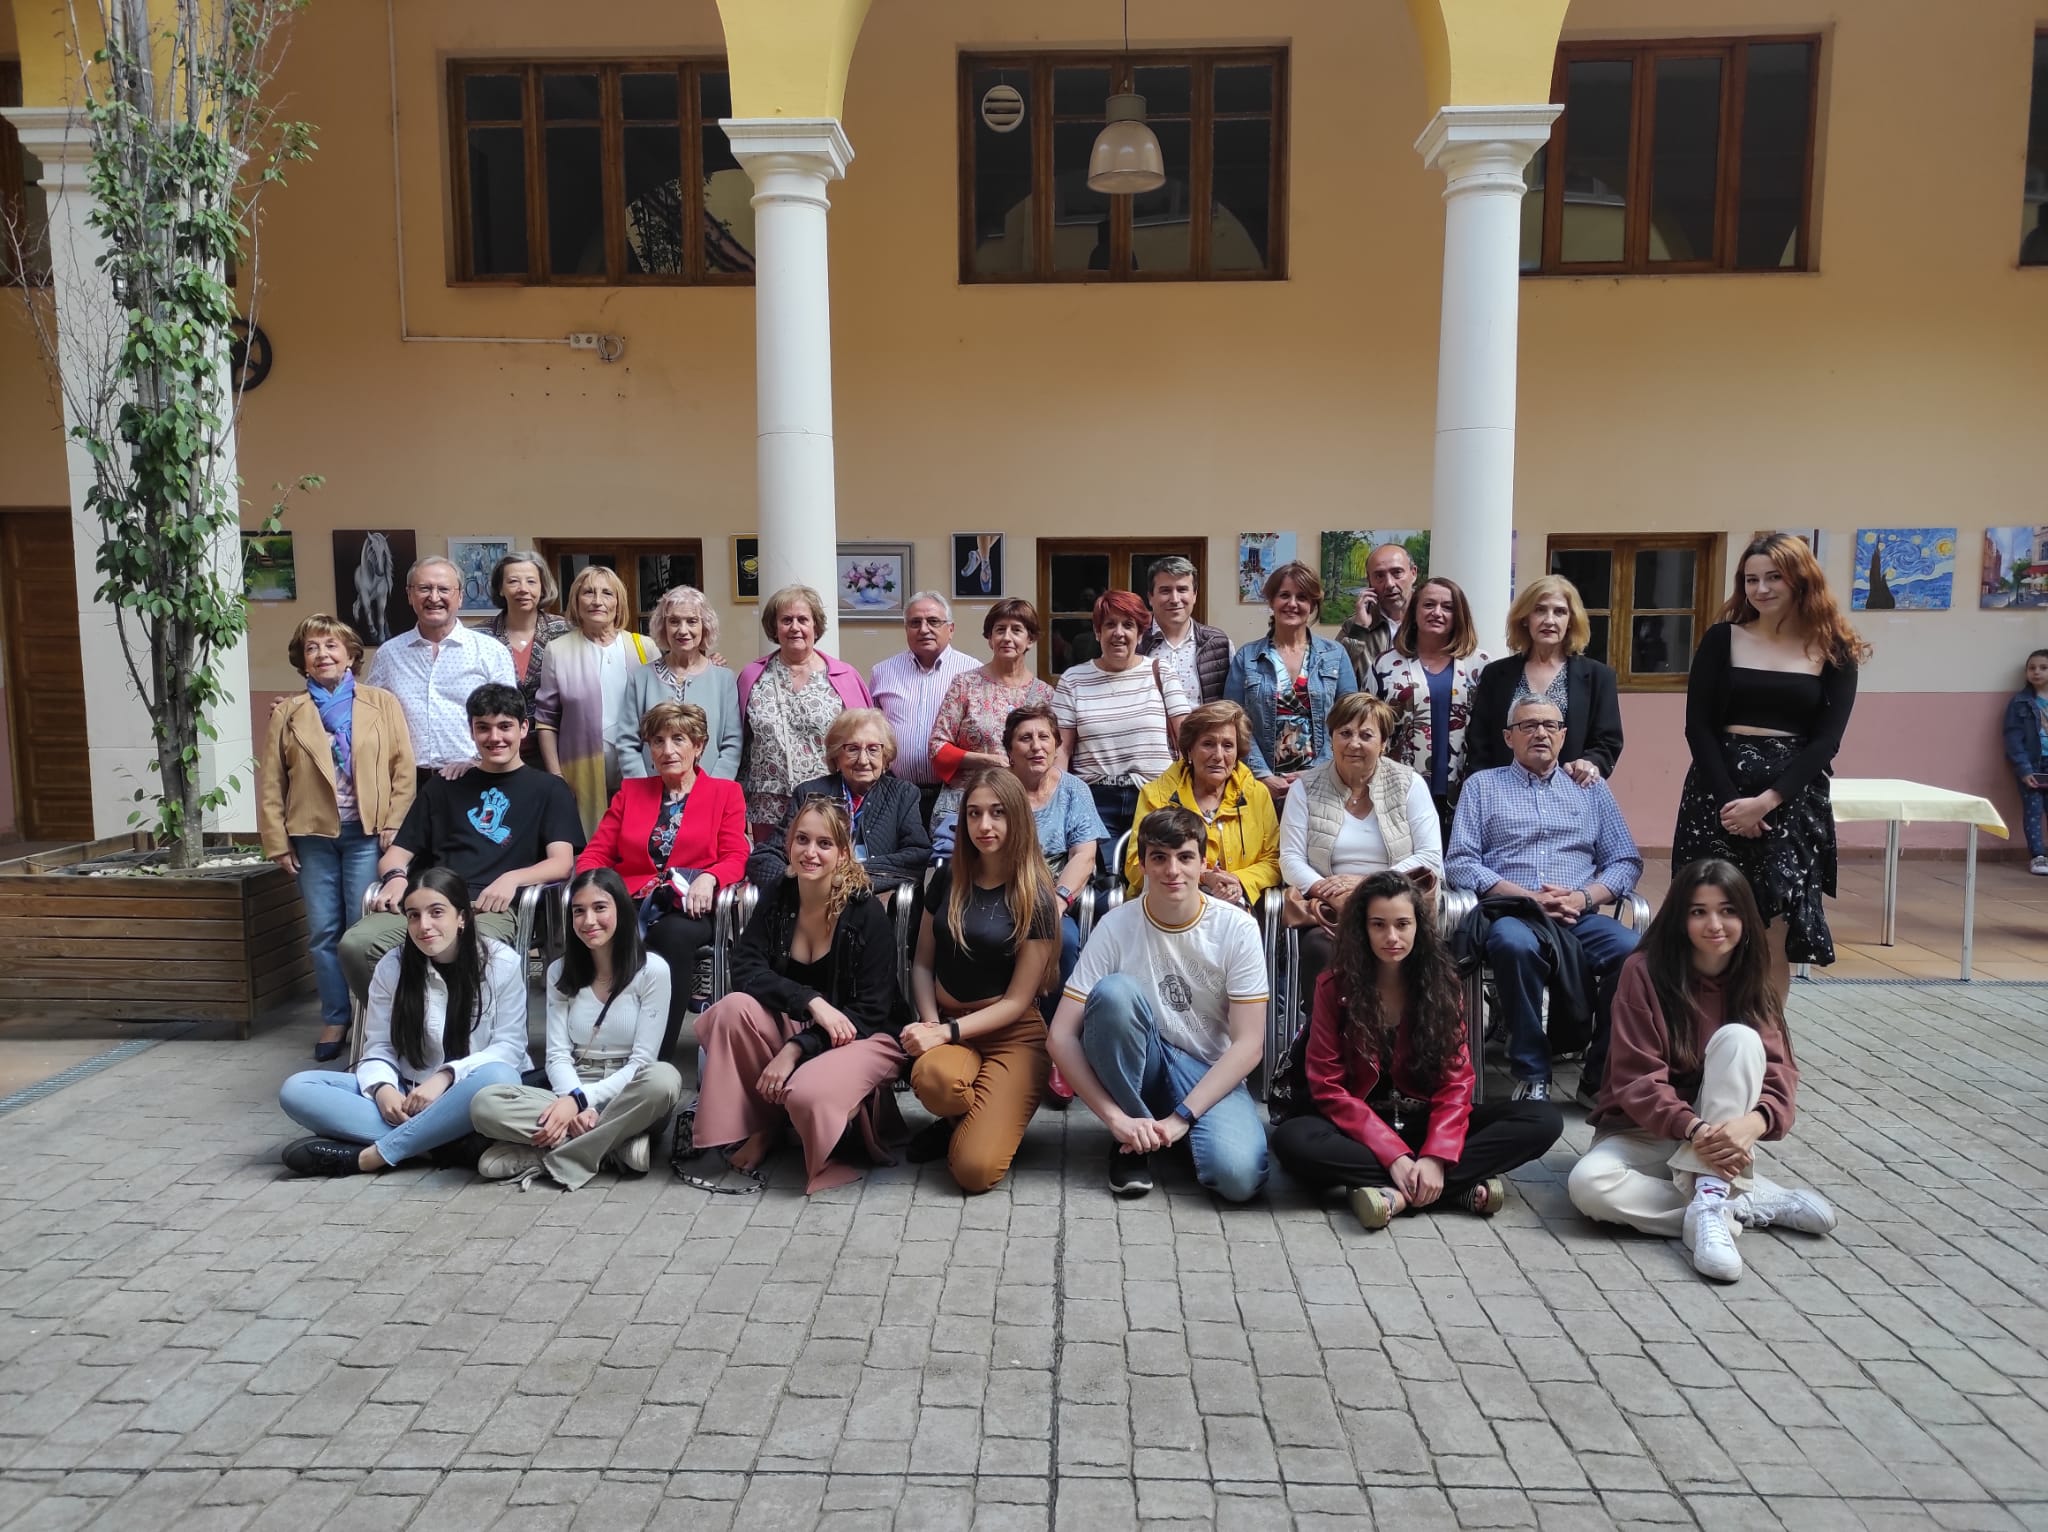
1749,996
463,974
579,968
1435,1017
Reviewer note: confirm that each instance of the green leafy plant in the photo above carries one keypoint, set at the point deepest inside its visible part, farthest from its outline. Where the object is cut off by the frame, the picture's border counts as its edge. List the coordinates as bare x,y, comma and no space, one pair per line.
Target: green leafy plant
182,146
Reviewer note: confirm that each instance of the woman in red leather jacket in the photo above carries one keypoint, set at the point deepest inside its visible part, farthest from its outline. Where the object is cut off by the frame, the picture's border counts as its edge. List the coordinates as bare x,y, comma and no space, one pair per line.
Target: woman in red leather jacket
1390,1112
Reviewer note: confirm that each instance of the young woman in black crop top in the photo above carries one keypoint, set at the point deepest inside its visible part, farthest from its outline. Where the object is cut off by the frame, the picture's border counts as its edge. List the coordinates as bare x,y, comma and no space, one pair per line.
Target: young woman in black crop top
990,940
1772,686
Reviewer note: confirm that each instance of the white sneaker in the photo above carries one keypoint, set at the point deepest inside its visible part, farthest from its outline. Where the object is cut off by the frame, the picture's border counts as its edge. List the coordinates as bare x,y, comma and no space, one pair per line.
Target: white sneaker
634,1155
1711,1241
508,1162
1788,1207
2039,867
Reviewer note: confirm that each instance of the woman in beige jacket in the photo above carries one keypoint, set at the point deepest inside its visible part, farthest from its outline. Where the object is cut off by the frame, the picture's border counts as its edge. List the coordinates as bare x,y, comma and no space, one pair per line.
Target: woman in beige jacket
335,781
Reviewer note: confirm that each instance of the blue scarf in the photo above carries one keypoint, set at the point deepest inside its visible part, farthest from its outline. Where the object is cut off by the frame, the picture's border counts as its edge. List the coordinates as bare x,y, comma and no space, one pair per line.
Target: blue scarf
337,717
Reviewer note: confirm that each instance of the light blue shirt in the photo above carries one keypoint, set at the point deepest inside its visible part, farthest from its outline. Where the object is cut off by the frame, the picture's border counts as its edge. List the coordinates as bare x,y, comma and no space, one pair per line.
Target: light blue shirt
1516,826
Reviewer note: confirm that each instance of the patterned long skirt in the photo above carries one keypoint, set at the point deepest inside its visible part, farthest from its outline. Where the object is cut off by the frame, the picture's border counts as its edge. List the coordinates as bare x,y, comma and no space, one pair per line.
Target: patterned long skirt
1792,864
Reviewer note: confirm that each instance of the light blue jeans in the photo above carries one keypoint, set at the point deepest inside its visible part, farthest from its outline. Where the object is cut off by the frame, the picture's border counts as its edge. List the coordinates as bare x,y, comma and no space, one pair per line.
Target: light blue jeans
332,1104
333,872
1148,1077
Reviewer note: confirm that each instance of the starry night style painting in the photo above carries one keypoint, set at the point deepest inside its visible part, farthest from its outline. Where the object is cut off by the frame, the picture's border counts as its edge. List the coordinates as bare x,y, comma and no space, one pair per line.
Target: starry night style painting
1904,569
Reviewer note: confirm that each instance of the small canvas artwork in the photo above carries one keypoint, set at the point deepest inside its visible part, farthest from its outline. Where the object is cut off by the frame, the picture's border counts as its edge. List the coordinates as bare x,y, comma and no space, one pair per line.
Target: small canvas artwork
268,571
746,570
1258,555
1345,556
369,582
476,557
874,579
2015,567
1904,569
977,566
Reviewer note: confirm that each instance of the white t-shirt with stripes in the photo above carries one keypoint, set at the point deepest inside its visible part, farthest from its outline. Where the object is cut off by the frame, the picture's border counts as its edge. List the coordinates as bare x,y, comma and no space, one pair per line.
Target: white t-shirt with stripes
1119,720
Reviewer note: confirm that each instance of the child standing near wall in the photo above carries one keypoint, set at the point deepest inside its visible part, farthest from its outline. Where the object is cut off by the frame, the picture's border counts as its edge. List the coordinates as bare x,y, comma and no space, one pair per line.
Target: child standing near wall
2026,747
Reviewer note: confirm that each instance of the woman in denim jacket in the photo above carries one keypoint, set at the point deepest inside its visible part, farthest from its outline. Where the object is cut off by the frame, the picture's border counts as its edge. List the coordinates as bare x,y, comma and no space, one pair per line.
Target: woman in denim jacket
1288,681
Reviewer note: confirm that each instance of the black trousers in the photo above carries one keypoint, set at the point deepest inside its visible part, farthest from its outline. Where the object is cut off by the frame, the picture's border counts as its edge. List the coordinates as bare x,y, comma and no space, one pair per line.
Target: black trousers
1500,1136
680,940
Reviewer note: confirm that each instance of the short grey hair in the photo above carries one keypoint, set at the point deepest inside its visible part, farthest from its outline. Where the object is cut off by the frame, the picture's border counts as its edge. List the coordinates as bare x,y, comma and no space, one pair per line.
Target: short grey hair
932,596
1526,701
1173,566
428,562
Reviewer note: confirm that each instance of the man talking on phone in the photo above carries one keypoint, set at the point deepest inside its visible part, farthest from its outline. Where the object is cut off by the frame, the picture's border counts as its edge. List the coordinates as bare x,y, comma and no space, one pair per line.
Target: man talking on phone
1382,603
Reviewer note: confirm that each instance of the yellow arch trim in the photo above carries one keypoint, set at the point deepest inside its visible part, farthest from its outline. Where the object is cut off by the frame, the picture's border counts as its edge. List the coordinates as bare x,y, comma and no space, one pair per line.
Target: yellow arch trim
789,58
42,31
1487,52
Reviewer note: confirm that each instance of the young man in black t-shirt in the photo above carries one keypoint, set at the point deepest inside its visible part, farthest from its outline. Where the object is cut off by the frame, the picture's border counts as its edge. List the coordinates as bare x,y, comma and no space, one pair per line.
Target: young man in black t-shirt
500,827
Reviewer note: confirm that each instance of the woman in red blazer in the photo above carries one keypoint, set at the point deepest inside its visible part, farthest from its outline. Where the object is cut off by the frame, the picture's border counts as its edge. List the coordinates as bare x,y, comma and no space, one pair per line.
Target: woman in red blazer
677,838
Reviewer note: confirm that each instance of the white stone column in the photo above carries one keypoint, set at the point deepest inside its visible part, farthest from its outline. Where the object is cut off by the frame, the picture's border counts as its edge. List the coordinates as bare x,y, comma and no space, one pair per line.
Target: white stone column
1481,151
791,160
120,749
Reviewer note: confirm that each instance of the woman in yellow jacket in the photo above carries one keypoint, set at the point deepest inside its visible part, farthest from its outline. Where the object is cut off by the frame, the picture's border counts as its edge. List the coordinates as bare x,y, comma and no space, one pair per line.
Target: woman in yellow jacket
333,785
1211,778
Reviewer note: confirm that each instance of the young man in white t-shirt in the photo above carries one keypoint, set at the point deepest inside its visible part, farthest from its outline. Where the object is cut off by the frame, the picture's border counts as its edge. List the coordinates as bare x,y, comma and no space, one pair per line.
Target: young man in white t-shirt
1164,1020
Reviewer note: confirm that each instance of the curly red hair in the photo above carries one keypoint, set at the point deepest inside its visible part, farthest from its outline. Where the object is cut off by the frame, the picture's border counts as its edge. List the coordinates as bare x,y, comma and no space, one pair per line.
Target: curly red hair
1818,616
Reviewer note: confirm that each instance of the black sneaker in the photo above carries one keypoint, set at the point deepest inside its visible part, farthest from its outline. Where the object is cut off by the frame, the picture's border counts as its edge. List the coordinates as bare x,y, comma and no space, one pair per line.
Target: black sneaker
322,1157
930,1142
1130,1175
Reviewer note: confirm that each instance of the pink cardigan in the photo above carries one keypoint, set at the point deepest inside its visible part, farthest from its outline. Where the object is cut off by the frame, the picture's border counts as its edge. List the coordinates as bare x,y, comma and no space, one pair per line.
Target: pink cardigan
844,680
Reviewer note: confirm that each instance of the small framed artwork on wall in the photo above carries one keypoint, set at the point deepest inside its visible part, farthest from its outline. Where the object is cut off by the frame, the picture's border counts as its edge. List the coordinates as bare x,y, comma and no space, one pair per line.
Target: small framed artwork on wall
874,579
977,566
476,557
268,570
369,581
746,570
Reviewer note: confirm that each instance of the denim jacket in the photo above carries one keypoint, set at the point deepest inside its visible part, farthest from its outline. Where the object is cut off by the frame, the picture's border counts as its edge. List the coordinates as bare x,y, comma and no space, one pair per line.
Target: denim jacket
2023,735
1257,676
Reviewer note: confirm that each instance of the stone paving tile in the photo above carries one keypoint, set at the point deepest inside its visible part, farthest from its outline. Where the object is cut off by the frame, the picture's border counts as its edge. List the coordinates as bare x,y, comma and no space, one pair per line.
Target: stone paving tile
190,1340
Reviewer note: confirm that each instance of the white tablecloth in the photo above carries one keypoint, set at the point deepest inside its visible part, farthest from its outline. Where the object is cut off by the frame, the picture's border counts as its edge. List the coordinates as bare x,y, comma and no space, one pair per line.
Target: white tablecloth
1889,798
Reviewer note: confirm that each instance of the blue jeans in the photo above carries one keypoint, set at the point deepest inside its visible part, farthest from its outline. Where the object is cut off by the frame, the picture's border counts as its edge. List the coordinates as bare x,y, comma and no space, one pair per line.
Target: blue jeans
1116,805
333,872
2033,805
1522,975
1070,947
1148,1077
333,1105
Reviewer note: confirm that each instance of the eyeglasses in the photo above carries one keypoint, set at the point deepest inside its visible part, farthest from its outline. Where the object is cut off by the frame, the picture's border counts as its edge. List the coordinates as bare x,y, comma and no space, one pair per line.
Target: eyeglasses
852,748
1538,726
924,622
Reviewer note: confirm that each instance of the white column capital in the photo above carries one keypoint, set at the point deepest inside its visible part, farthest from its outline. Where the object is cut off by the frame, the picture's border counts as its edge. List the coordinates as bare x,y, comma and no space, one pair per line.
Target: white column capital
58,136
1486,147
812,145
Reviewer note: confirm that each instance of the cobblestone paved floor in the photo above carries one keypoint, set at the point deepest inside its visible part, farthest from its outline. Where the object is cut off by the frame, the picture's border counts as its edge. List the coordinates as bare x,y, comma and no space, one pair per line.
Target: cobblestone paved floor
190,1340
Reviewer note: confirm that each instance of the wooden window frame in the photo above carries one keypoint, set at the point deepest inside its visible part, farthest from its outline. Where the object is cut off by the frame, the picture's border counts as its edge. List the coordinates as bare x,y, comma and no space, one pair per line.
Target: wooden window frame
625,551
14,193
1202,119
1642,56
1621,609
689,126
1119,551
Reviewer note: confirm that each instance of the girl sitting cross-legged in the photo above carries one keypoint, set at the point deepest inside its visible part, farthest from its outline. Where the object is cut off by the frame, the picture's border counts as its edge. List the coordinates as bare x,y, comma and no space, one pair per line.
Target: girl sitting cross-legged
446,1019
1391,1115
607,1086
1699,1068
988,946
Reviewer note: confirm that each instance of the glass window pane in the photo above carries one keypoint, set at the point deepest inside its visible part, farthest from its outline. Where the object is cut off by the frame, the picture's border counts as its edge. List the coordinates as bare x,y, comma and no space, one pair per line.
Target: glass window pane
1664,579
1772,205
1080,217
649,97
575,201
1240,218
1660,646
570,97
1244,88
654,199
1002,177
1598,97
1079,92
2034,201
1077,579
714,95
1685,167
1068,642
1168,89
728,207
1159,219
659,574
493,98
1596,644
1532,210
497,201
1590,569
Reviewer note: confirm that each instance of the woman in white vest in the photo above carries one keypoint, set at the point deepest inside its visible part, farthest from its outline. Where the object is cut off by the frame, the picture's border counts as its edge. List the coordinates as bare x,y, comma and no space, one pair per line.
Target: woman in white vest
1359,813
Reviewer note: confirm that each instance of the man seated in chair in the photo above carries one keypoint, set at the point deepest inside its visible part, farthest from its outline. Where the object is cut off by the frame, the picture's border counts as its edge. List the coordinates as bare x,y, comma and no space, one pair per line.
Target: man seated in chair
1543,854
500,827
1164,1019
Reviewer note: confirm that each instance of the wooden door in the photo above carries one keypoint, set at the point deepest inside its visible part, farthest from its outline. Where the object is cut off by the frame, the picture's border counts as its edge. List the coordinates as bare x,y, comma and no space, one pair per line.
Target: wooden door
45,677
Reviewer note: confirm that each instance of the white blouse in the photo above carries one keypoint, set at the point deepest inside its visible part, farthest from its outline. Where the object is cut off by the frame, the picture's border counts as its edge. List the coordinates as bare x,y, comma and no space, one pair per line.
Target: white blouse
498,1035
612,1056
1360,847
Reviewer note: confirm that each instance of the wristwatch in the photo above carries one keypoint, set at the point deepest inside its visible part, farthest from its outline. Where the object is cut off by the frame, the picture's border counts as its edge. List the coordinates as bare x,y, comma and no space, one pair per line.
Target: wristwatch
582,1101
1185,1113
1066,894
954,1028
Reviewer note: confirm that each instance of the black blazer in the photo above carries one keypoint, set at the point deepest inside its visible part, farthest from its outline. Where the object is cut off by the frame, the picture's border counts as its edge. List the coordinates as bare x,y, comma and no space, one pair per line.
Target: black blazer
1592,718
898,845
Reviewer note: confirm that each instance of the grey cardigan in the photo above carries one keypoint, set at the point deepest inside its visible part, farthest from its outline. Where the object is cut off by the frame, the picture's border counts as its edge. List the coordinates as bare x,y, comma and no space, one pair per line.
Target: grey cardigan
715,691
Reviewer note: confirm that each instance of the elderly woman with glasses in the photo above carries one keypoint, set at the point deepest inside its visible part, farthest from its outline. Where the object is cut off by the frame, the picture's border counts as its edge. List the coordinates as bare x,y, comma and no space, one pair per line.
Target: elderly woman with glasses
889,838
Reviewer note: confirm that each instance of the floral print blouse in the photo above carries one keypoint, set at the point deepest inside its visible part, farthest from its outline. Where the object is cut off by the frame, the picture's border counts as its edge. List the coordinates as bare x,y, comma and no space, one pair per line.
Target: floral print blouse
787,717
974,709
1404,684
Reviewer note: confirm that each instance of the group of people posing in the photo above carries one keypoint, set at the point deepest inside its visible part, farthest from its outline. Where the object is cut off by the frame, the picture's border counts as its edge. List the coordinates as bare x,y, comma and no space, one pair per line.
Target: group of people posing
1351,779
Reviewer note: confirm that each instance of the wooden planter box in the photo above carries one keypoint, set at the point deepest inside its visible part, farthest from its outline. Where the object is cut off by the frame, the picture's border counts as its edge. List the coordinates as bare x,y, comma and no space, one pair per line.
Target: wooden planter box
222,946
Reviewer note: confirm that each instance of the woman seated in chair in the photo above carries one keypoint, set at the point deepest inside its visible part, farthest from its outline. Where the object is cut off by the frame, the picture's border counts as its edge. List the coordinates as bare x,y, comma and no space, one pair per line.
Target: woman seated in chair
1389,1112
1214,778
889,837
607,1088
807,1038
1699,1069
675,838
446,1019
983,955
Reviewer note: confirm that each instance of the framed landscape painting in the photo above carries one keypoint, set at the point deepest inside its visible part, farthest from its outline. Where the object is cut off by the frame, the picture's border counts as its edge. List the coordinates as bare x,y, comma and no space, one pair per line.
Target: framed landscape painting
1904,569
268,571
2015,570
1258,555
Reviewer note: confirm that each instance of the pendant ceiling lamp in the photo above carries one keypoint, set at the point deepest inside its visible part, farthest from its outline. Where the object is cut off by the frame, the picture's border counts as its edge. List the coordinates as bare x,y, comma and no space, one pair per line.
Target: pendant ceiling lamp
1126,158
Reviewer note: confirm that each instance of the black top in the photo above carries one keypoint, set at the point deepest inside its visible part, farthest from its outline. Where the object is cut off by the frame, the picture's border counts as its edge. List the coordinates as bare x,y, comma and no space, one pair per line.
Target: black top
1592,714
485,824
1718,693
858,975
890,838
980,969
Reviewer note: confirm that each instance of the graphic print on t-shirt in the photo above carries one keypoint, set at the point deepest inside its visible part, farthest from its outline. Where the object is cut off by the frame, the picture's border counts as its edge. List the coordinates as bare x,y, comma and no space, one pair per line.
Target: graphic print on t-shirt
489,816
1175,991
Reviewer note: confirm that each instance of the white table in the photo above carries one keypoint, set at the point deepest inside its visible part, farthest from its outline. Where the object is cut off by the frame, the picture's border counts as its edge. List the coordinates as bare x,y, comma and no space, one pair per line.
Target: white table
1895,803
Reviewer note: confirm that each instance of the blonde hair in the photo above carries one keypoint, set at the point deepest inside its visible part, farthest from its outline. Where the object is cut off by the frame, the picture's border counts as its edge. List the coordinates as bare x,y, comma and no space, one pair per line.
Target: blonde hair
1578,631
851,722
597,574
689,601
1211,718
771,609
1027,880
849,877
